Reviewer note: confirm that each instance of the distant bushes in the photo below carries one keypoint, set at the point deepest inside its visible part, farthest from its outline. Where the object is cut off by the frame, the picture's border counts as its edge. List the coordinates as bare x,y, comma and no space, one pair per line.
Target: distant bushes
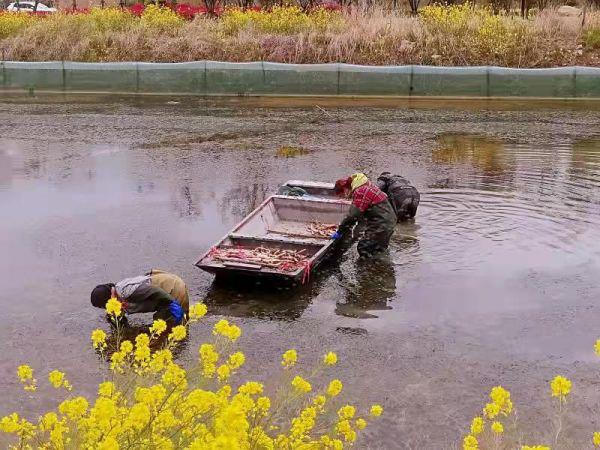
439,35
592,38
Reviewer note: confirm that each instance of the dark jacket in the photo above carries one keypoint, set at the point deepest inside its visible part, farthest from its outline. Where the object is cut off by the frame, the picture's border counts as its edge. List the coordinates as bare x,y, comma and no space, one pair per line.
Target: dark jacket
380,222
154,292
403,197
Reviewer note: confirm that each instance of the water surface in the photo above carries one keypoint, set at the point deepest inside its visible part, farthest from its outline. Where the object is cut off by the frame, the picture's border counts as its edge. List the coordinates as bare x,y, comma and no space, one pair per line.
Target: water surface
494,283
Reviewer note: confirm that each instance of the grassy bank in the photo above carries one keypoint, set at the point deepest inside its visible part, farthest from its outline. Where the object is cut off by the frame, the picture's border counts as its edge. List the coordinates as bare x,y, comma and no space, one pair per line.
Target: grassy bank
457,35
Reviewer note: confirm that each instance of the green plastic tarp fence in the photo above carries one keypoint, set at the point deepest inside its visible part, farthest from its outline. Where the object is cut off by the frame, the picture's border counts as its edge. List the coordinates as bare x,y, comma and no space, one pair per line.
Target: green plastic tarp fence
264,78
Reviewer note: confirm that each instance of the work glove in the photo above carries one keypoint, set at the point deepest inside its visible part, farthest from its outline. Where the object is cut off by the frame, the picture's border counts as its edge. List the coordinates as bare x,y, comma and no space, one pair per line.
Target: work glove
335,236
176,311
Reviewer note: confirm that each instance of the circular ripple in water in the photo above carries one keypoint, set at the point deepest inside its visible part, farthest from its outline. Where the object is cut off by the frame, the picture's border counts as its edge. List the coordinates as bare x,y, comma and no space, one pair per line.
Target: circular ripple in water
522,207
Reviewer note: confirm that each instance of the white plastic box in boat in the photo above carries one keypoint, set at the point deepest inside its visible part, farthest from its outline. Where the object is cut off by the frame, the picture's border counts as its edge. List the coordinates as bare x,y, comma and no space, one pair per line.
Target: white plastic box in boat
280,222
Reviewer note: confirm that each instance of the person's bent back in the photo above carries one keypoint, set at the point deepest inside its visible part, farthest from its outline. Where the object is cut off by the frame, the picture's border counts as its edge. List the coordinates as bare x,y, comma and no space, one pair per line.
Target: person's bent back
162,293
402,195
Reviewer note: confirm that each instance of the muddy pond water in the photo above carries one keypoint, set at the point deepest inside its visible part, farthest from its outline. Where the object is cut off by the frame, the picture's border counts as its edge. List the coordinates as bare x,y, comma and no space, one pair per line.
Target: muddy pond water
495,282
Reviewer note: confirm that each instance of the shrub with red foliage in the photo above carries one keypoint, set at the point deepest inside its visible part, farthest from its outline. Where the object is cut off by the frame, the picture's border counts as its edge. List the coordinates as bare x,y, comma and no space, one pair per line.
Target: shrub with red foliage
185,10
188,11
137,9
330,6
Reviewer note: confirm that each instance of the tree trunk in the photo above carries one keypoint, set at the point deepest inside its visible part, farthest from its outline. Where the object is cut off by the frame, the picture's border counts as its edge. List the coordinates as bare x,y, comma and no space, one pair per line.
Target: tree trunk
414,6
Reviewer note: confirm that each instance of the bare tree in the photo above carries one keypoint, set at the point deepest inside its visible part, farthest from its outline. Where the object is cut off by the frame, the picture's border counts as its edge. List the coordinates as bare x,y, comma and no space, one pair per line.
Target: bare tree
245,4
501,5
211,6
414,6
307,5
524,8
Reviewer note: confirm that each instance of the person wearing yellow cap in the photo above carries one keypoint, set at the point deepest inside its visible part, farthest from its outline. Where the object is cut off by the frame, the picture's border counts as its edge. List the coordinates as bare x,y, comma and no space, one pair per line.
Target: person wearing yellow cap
371,203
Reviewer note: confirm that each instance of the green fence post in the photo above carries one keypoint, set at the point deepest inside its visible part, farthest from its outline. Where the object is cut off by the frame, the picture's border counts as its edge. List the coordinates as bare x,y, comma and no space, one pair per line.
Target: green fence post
137,78
63,76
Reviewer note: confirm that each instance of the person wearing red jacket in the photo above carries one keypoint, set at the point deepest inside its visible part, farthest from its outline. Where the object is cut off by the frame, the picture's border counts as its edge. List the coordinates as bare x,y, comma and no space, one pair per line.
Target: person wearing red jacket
371,203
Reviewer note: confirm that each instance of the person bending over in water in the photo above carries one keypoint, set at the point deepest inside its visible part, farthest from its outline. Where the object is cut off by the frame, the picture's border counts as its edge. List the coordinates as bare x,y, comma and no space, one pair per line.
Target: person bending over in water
370,202
403,196
162,293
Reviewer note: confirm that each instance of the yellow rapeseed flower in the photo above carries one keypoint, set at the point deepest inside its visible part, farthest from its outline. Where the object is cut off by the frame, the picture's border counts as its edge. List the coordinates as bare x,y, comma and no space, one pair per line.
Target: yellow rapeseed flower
236,360
58,380
344,428
477,426
224,392
178,333
303,424
491,410
560,387
158,327
289,358
141,355
224,328
263,404
330,359
74,408
126,347
175,376
501,397
223,372
25,373
160,359
470,443
48,421
10,424
197,311
334,388
116,361
535,447
251,388
497,428
98,339
106,389
301,385
346,412
361,424
376,410
114,307
209,357
596,439
108,443
319,401
142,340
150,405
597,347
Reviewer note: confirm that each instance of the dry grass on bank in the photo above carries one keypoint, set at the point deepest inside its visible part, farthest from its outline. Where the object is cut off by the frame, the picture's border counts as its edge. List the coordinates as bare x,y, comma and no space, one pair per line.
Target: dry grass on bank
458,35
